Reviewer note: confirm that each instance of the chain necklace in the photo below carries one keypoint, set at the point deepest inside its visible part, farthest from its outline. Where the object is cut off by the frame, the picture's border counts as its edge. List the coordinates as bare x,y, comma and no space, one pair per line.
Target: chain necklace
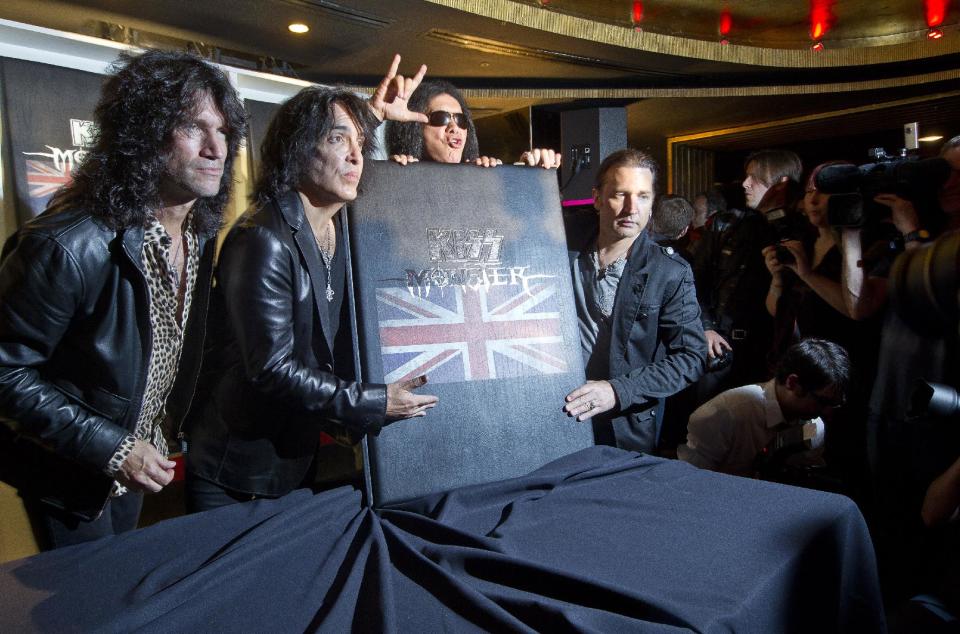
604,300
176,273
326,256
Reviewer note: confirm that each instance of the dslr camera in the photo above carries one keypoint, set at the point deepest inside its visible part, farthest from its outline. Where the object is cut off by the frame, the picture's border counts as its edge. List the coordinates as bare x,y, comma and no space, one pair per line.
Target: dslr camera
779,209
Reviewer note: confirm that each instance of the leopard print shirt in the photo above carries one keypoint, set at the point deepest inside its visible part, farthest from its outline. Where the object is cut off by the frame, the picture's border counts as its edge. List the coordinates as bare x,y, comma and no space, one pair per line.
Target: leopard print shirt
167,320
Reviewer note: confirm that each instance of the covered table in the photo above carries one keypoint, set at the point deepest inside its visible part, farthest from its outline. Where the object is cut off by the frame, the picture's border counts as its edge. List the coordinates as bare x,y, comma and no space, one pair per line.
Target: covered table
601,540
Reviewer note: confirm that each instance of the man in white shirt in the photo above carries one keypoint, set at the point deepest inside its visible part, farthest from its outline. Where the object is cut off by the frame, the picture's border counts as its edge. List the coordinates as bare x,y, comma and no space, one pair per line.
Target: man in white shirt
731,431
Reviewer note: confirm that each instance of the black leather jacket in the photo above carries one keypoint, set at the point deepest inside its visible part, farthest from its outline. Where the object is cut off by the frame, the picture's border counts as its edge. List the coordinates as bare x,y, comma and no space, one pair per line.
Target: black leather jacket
274,384
75,341
657,346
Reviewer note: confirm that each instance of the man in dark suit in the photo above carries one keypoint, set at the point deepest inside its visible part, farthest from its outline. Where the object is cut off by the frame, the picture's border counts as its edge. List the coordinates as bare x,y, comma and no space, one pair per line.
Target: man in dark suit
103,300
640,329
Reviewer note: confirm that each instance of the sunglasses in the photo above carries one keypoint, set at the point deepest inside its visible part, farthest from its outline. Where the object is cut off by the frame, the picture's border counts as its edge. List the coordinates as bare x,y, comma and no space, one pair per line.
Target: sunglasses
441,118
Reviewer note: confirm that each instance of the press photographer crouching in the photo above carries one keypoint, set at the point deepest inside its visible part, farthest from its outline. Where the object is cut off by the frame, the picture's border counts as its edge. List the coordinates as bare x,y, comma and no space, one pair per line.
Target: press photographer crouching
773,429
917,339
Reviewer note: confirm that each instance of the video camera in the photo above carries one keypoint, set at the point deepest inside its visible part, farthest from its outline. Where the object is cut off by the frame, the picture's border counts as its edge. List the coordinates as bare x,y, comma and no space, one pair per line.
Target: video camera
852,188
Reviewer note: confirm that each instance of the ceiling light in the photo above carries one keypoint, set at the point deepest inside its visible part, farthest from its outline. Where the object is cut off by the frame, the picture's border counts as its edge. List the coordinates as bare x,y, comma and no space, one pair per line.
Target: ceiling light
934,33
936,11
931,138
818,47
636,12
726,22
822,18
299,28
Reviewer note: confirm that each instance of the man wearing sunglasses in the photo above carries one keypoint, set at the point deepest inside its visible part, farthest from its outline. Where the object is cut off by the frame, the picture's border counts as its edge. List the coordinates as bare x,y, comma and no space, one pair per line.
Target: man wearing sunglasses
731,431
449,135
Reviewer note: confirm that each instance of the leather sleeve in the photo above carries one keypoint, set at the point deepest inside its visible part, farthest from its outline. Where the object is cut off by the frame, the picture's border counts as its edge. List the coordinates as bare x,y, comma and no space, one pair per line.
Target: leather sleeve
256,276
703,279
41,288
680,333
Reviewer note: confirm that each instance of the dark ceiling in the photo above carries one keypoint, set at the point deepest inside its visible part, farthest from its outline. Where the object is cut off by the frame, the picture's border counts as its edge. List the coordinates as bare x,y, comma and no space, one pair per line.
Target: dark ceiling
676,76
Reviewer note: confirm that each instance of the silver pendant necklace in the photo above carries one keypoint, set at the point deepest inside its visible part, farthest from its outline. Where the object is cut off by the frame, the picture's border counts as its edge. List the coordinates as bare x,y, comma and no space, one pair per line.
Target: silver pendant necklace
326,257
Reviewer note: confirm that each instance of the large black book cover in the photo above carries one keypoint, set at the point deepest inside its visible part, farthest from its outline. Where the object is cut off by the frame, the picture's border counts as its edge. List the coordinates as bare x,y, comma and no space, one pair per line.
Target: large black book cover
461,273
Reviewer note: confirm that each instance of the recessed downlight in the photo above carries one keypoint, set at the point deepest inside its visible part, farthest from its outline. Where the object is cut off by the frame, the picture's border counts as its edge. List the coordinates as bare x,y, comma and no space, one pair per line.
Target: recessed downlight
299,28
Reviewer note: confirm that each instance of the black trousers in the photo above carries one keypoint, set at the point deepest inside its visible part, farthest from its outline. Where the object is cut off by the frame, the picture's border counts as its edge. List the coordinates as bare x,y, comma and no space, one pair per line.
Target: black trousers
54,528
204,495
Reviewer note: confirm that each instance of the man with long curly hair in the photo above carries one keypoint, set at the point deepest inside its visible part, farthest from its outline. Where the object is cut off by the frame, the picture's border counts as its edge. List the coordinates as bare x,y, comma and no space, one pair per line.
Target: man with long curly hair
103,300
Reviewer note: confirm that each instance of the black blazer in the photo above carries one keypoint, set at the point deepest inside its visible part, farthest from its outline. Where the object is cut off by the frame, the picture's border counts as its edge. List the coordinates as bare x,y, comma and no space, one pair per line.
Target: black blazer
75,340
275,385
657,346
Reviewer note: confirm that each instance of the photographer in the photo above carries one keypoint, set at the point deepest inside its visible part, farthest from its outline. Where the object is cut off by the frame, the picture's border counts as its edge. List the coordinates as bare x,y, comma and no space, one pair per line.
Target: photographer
815,262
904,454
731,277
778,421
805,300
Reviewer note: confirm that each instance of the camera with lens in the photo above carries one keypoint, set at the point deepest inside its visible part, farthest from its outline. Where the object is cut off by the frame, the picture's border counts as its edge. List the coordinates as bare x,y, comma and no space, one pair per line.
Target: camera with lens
779,210
933,399
720,362
853,188
925,286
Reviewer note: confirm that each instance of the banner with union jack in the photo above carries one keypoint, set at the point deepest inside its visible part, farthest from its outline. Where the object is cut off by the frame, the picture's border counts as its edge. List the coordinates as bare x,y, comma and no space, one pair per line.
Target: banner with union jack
461,334
45,177
460,274
48,124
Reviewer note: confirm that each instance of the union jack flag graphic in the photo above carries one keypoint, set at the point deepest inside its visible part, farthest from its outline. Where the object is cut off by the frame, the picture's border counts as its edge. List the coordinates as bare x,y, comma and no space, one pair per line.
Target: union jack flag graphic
458,334
44,178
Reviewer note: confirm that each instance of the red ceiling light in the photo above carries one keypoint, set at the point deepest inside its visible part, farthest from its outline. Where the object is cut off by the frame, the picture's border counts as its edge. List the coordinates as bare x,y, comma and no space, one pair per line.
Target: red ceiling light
936,11
818,46
636,13
726,22
821,18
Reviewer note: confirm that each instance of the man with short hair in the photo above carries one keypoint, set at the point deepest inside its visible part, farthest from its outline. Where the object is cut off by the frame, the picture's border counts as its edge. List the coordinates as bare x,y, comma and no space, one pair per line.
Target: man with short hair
103,300
731,431
670,223
640,330
707,204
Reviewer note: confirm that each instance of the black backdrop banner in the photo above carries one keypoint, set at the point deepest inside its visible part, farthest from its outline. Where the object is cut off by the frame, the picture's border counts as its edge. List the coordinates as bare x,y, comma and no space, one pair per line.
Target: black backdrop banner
259,115
48,120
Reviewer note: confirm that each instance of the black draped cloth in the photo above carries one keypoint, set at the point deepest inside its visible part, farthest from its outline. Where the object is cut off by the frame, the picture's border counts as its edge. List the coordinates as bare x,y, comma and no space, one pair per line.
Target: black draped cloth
601,540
